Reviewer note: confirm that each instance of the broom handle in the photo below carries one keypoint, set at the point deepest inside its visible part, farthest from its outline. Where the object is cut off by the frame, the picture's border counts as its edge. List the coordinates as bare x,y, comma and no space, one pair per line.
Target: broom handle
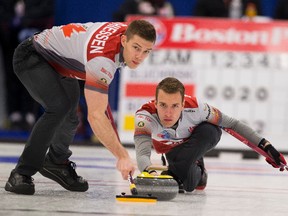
251,145
130,179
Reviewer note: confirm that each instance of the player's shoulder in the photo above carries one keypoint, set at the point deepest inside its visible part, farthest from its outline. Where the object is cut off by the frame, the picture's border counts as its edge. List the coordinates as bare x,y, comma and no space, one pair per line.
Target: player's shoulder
148,107
105,40
190,102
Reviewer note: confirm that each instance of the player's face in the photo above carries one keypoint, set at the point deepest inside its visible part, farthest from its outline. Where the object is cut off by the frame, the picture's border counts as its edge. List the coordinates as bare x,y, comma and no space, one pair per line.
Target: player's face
169,107
135,50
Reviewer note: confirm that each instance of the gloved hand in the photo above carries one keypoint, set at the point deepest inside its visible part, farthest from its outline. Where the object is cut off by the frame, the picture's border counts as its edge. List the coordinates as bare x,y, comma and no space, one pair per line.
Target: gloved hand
278,158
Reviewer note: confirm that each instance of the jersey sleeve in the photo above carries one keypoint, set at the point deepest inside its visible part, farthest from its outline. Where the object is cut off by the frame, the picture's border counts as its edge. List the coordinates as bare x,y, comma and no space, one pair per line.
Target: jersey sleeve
207,113
99,74
143,140
216,117
241,128
143,124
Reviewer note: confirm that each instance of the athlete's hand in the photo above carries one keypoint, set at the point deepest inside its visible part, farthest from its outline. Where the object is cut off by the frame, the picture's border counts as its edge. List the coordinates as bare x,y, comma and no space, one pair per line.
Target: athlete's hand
278,158
125,166
152,172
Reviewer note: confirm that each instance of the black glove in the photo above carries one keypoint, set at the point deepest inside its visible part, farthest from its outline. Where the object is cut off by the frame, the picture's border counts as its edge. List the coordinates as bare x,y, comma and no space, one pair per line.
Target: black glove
278,158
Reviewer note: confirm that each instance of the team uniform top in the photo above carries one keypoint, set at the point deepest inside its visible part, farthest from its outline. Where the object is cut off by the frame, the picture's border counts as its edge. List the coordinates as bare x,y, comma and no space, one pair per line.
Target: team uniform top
149,131
86,51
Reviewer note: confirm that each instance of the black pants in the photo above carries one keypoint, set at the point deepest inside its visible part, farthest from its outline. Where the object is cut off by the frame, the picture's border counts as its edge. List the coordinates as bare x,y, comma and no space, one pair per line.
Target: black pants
59,96
183,157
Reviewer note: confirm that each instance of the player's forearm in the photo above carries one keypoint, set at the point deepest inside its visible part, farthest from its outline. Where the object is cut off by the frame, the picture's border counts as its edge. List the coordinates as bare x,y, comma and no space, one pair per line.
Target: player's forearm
241,128
143,162
143,151
104,131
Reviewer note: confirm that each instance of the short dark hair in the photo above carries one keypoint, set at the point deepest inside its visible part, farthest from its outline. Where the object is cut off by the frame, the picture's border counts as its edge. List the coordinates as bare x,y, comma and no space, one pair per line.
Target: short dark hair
142,28
171,85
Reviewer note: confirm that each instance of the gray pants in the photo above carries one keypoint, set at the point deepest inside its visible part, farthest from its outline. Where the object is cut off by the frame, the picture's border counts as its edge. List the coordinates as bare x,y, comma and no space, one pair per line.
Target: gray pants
182,158
59,96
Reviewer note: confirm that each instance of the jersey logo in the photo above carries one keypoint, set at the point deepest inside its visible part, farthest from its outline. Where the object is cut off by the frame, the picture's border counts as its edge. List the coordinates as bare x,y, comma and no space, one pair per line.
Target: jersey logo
103,70
141,124
71,28
104,80
164,135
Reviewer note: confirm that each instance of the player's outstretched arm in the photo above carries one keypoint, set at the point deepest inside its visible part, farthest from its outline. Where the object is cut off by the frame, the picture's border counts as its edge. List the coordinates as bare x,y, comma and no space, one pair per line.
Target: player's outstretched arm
103,130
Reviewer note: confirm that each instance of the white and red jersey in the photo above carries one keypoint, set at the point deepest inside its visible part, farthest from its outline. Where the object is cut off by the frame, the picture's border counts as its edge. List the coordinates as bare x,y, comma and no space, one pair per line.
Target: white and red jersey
149,130
86,51
147,123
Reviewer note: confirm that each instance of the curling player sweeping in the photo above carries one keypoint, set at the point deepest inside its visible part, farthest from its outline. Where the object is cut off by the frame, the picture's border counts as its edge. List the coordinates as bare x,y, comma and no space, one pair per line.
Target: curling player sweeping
183,129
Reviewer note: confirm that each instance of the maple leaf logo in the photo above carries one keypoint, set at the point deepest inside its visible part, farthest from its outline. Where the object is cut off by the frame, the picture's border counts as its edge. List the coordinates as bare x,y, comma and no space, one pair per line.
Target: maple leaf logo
69,29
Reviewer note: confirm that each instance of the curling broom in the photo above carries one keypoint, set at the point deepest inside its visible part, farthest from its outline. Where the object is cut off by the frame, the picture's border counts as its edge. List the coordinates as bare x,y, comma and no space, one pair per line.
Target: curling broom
134,197
252,146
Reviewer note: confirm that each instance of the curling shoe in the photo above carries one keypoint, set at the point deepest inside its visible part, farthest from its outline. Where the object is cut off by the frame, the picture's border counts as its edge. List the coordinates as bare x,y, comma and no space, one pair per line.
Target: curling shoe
203,181
196,177
20,184
65,175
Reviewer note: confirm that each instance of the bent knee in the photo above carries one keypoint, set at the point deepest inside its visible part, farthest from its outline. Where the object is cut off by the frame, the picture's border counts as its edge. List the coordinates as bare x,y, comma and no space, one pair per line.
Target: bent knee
59,108
209,131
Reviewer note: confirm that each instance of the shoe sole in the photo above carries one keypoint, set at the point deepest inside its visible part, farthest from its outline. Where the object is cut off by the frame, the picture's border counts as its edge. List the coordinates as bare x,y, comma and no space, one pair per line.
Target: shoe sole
203,182
25,190
200,187
46,173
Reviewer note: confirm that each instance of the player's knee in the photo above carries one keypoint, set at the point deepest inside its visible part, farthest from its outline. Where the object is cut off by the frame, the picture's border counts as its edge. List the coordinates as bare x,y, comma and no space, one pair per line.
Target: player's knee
210,132
59,108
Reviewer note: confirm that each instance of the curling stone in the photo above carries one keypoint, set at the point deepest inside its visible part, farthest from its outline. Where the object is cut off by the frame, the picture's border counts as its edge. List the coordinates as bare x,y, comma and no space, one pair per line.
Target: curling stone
164,187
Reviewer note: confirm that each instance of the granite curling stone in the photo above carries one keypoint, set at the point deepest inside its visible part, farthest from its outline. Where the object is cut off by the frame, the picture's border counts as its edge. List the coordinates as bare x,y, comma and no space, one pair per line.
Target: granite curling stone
164,187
